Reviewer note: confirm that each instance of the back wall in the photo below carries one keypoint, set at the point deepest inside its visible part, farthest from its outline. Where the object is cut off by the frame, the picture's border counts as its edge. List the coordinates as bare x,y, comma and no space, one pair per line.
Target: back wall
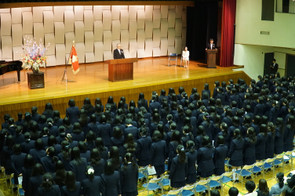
143,31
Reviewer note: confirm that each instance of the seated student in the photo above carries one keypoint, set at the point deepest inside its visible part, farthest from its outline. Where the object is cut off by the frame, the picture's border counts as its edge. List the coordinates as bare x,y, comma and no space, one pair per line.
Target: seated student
233,191
262,189
278,188
250,186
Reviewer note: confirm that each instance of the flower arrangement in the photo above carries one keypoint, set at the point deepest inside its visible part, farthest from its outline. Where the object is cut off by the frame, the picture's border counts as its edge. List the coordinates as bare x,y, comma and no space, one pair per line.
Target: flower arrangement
34,57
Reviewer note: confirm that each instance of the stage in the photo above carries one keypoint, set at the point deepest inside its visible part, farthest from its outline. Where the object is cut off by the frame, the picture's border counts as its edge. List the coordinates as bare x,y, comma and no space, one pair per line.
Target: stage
151,74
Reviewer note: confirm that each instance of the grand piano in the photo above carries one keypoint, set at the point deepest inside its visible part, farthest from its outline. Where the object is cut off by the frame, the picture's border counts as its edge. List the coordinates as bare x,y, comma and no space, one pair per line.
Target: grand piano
7,66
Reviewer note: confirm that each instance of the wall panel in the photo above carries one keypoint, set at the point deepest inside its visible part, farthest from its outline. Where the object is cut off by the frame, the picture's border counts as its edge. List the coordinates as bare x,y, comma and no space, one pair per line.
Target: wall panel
142,30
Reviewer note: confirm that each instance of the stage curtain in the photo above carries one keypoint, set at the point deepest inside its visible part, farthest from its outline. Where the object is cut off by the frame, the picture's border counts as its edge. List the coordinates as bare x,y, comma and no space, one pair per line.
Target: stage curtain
228,33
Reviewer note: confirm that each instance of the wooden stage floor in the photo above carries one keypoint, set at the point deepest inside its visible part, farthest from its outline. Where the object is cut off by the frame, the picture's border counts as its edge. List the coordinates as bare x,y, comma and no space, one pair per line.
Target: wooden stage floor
92,81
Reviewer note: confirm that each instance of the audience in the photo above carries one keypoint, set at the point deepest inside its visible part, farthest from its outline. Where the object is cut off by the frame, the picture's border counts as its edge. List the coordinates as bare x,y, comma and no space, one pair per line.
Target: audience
96,150
278,187
250,186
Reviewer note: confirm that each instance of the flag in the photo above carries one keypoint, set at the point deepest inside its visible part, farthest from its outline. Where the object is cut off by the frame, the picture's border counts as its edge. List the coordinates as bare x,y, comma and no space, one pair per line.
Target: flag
74,60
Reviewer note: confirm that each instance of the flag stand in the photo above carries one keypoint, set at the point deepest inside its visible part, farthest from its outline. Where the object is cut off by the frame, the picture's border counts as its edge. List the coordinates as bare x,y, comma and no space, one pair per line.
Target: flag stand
65,75
73,54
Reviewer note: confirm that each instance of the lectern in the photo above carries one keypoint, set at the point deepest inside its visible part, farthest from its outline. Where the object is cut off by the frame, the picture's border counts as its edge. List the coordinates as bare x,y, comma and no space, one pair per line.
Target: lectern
211,58
121,69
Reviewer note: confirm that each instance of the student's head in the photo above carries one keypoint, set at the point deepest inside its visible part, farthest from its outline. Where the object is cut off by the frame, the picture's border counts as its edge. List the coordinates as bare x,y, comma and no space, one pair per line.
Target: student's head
185,48
211,40
214,192
280,179
47,181
29,161
233,191
250,186
90,172
263,186
109,168
274,60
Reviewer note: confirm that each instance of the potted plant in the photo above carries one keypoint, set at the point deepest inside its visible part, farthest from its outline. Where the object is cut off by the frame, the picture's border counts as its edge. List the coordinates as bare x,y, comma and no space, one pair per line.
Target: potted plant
34,58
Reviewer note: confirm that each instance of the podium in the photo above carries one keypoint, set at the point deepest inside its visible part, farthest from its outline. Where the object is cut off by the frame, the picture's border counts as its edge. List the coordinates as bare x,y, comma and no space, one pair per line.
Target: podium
121,69
211,58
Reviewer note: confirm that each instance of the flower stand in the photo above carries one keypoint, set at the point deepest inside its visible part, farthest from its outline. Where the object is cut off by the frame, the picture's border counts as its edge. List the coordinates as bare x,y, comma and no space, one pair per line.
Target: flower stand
36,80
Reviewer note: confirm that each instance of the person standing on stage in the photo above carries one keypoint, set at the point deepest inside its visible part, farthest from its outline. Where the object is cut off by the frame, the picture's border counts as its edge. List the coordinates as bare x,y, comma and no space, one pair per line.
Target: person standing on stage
185,57
274,67
119,53
211,44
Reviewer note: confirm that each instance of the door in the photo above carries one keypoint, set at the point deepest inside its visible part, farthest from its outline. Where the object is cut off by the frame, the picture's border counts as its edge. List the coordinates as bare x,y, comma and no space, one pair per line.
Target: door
268,58
290,65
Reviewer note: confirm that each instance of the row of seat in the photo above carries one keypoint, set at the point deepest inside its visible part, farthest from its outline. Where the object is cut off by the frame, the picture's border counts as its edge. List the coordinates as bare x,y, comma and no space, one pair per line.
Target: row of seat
162,184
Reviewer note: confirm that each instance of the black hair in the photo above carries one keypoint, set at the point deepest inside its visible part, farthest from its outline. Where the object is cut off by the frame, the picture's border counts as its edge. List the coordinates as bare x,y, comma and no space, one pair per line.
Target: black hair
280,177
71,181
190,145
76,154
233,191
29,161
262,186
47,181
90,172
220,140
214,192
109,168
181,152
250,186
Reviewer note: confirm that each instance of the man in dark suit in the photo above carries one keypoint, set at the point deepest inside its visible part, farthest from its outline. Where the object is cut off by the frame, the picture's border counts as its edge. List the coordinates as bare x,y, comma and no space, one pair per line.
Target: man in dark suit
211,44
274,67
119,53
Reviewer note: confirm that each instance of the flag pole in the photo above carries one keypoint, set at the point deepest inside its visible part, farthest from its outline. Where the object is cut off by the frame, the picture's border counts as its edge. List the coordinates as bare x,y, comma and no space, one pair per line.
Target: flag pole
65,75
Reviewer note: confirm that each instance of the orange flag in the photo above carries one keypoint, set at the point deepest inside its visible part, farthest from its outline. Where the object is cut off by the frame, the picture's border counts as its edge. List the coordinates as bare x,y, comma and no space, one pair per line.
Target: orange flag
74,60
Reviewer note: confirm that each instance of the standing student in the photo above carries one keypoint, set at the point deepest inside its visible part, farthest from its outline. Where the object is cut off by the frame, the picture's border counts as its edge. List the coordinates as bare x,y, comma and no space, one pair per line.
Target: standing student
48,188
249,149
111,181
205,158
92,185
158,153
129,176
192,156
260,144
220,153
72,187
236,149
178,168
78,165
144,148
